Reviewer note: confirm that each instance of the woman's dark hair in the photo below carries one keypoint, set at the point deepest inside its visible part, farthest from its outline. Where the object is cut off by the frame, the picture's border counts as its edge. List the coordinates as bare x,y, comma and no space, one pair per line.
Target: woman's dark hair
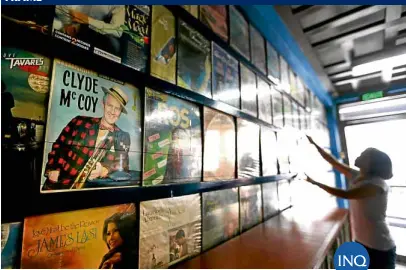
125,223
375,163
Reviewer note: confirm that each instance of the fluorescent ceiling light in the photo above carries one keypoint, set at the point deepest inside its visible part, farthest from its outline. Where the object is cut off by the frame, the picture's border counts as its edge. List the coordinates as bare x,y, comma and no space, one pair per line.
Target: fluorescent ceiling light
373,106
379,65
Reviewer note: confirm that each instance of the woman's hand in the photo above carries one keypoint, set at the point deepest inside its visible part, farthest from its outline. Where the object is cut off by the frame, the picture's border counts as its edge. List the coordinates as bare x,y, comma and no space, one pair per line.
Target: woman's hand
310,139
311,181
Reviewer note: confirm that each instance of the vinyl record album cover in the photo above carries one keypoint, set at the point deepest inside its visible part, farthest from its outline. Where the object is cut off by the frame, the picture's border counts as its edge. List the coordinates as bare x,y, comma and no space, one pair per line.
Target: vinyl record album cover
102,237
219,146
215,17
225,77
93,135
248,91
292,82
119,33
194,60
284,193
170,231
303,119
239,33
250,206
247,153
268,152
270,199
295,115
284,74
10,245
173,142
258,56
192,9
301,91
287,111
36,17
163,44
277,107
24,97
282,142
220,216
264,101
272,56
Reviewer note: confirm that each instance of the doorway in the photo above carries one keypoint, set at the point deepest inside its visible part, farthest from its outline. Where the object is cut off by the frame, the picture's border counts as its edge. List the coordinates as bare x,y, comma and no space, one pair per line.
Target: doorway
388,136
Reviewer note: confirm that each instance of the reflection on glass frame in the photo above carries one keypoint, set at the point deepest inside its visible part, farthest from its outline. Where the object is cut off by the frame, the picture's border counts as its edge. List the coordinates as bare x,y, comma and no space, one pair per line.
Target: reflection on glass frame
172,140
273,63
292,82
239,32
248,91
225,84
277,107
258,56
301,91
287,111
247,153
284,75
219,146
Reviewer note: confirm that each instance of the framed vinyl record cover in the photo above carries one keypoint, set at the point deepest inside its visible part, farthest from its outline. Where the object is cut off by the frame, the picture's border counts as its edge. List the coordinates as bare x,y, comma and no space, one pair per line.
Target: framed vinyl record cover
250,206
277,107
93,135
239,33
173,140
264,101
225,86
273,63
285,82
270,199
11,245
219,146
220,216
248,91
101,238
170,231
163,44
194,60
215,17
117,32
247,153
269,150
258,56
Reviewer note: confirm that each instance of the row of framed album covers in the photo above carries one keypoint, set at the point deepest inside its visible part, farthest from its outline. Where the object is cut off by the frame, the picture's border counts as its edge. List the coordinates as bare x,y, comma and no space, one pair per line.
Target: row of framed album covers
170,229
94,132
154,39
70,126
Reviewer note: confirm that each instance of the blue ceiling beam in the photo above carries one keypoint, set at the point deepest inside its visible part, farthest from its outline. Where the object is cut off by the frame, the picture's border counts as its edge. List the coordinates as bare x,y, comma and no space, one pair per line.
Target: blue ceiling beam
268,22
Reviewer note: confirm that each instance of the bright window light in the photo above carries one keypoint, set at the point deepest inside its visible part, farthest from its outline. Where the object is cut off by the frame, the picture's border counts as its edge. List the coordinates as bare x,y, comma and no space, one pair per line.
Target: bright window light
373,106
378,65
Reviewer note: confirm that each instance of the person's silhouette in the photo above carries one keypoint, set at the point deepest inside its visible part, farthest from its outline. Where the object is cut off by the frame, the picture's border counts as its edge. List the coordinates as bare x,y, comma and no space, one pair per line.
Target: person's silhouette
7,103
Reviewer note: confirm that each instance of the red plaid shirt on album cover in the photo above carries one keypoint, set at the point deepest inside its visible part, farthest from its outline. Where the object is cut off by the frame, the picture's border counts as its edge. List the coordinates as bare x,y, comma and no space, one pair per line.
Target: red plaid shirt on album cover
76,144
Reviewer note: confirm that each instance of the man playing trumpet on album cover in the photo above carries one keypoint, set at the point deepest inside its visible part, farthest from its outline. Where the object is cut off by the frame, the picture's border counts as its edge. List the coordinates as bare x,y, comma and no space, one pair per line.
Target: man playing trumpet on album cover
90,148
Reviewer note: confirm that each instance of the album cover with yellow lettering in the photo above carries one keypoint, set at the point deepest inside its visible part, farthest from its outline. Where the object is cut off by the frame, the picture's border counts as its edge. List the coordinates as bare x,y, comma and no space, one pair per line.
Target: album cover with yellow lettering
102,237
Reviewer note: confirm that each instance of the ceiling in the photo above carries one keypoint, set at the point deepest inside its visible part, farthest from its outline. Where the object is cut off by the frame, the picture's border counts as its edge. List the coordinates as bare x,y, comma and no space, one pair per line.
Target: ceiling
336,38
